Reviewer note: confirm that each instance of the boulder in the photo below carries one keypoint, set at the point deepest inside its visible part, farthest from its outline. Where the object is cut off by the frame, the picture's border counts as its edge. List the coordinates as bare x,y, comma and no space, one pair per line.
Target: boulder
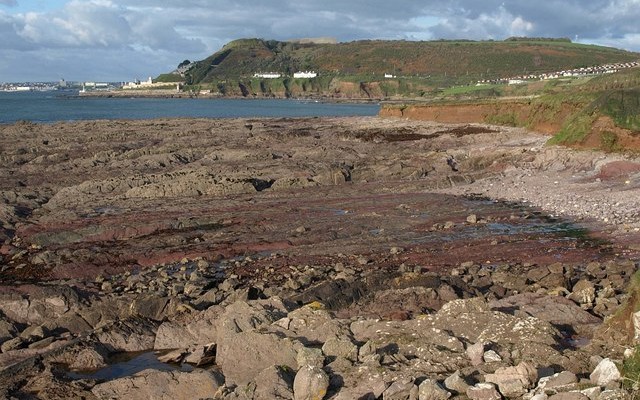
161,385
243,355
431,390
514,381
194,329
311,325
583,292
309,356
562,381
475,353
88,359
340,347
456,383
483,391
7,330
311,383
274,382
605,373
401,389
558,311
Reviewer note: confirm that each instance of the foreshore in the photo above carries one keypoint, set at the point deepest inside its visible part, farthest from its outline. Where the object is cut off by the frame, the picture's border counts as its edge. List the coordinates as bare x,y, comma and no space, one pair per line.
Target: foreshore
334,257
173,94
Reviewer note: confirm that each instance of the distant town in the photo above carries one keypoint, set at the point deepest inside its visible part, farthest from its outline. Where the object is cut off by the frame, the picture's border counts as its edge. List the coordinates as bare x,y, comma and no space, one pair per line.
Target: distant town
89,86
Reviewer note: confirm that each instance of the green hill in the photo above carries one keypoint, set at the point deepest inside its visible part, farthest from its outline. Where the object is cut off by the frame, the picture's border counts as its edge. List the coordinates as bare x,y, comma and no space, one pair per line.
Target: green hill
419,66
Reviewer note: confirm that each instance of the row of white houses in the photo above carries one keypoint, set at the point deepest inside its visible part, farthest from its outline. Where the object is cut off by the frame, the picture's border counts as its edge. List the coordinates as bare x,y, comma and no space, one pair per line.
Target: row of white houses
275,75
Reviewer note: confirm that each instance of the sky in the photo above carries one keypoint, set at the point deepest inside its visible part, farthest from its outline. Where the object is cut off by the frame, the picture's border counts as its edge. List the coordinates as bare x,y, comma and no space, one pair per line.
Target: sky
124,40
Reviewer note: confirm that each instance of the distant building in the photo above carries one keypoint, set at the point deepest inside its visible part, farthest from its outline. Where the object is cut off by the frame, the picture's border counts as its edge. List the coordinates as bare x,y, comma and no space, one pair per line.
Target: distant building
267,75
389,76
305,74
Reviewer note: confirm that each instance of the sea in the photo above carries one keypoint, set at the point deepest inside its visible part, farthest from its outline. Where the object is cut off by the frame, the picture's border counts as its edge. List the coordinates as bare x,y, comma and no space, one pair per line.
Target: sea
57,106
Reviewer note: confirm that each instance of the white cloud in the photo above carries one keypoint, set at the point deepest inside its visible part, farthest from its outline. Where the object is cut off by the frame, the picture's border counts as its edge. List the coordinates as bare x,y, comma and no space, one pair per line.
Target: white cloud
143,37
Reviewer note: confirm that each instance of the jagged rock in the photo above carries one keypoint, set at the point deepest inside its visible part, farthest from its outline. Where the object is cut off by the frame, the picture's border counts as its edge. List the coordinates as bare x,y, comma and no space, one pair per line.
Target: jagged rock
556,310
311,383
69,321
491,356
314,325
514,381
583,292
42,304
456,383
88,359
174,357
7,330
308,356
431,390
33,333
202,355
401,389
483,391
129,335
161,385
592,393
340,347
274,383
12,344
605,372
194,329
569,396
151,307
357,383
243,355
418,339
475,353
464,306
562,381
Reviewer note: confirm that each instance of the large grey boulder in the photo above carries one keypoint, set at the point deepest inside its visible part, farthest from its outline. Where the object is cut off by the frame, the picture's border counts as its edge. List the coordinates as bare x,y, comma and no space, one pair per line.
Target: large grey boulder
311,383
605,372
340,347
161,385
243,355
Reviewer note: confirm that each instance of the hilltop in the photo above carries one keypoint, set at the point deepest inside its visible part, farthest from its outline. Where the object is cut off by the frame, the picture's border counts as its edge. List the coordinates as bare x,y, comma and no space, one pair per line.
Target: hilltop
357,69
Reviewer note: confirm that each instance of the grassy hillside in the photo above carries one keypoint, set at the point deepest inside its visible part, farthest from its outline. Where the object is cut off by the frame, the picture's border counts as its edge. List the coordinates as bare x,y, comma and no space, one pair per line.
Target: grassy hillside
435,63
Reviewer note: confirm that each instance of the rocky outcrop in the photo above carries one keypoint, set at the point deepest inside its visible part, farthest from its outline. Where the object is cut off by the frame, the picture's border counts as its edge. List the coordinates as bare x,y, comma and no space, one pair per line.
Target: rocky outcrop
151,384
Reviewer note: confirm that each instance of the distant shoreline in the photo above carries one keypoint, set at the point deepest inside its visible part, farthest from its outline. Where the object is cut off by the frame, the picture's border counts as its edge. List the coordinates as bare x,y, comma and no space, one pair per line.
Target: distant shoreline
172,94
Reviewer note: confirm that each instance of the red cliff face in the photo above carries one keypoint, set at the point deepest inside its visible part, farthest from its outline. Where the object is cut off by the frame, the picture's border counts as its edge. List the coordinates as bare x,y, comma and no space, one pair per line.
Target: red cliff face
499,113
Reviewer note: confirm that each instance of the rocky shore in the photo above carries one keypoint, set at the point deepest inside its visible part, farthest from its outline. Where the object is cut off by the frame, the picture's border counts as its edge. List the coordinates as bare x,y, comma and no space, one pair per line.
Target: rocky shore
337,258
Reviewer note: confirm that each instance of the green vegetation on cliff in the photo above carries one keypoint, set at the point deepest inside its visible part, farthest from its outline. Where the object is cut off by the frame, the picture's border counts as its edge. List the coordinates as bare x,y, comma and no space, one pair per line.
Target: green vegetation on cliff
419,68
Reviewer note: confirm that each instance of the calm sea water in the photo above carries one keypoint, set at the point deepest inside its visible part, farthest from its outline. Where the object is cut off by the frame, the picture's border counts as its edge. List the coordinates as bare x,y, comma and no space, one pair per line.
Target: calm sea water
52,107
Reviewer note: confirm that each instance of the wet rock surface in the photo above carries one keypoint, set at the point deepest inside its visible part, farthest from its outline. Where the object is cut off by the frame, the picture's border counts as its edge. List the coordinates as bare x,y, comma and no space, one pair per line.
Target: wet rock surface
310,258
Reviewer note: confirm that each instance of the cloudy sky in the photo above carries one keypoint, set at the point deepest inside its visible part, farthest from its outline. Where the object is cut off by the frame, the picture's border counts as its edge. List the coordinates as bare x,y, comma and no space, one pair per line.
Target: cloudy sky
118,40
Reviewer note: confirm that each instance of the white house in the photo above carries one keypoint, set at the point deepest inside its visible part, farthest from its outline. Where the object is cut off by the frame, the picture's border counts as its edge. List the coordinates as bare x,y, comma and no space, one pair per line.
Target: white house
305,74
389,76
267,75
